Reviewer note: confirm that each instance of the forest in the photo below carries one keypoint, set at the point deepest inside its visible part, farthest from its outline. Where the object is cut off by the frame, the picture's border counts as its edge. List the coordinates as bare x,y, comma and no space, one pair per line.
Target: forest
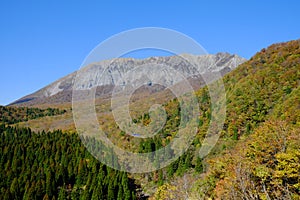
55,165
256,157
12,115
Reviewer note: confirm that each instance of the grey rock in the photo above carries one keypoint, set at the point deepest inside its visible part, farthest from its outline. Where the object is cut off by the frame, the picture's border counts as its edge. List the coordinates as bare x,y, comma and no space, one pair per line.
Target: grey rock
128,72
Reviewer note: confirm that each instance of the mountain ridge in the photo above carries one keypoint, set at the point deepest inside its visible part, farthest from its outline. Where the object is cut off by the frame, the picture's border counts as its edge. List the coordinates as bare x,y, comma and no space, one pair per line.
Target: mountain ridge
61,89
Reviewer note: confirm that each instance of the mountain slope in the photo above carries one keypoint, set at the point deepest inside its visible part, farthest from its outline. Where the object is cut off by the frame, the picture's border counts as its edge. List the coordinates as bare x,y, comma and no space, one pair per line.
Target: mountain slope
258,155
12,115
109,72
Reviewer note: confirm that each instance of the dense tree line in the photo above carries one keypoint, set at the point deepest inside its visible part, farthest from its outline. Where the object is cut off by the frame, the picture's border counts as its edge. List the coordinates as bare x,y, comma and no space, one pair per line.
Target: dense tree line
11,115
187,161
55,165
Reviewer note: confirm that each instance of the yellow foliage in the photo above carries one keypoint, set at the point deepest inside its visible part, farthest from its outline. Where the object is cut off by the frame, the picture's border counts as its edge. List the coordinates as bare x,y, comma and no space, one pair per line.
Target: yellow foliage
165,192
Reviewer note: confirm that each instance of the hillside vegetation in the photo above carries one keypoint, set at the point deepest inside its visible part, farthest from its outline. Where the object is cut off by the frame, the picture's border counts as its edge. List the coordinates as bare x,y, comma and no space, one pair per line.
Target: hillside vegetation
12,115
256,157
54,165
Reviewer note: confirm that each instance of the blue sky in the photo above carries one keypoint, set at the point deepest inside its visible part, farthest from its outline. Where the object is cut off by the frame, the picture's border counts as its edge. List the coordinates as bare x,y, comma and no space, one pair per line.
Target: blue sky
41,41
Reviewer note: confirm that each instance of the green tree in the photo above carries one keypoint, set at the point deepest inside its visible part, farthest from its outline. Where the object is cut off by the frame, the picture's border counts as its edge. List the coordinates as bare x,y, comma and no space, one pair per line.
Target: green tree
14,188
62,195
199,165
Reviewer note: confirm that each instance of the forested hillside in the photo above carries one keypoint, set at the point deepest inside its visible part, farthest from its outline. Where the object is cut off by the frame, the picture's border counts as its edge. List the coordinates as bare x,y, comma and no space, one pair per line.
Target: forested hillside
55,165
12,115
256,157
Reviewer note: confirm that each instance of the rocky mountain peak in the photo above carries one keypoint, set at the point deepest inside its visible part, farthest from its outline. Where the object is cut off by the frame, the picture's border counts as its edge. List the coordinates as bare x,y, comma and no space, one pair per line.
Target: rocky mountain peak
122,71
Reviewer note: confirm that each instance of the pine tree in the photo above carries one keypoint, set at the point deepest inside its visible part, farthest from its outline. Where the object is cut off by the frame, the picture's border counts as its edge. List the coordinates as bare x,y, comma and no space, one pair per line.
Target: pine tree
97,193
188,161
110,192
199,165
127,193
120,194
49,183
62,195
46,197
14,188
75,194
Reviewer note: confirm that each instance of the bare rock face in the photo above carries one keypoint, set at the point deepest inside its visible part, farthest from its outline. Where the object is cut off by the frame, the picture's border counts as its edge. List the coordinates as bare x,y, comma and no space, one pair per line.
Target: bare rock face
128,72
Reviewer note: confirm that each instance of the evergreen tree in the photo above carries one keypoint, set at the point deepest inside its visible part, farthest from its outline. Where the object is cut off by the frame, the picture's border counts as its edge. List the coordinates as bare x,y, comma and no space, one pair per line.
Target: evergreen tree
62,195
199,165
111,191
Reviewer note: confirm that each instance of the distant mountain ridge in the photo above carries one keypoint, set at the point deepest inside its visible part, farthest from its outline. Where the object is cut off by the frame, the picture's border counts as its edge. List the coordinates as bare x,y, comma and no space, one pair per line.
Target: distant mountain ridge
108,74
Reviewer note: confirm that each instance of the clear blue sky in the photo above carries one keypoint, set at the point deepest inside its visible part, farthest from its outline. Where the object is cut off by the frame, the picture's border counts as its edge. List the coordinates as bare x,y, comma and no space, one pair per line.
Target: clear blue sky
41,41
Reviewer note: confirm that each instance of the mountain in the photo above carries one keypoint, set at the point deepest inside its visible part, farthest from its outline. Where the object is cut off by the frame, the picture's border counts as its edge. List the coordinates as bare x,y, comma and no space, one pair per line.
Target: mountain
256,157
109,73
